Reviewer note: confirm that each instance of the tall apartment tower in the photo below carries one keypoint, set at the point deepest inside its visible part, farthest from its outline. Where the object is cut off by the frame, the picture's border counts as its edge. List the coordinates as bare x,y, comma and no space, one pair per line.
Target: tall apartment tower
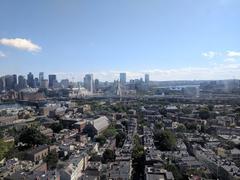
41,78
22,82
2,83
15,81
123,78
9,82
52,78
88,82
147,79
30,80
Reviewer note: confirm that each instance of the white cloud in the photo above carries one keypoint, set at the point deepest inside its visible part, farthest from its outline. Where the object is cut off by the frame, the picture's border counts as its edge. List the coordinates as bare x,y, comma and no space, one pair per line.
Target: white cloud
210,54
19,43
230,56
233,54
226,70
217,71
230,60
2,55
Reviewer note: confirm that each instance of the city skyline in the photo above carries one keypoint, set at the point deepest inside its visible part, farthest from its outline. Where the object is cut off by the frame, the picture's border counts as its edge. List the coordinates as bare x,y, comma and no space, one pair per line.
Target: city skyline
169,40
127,89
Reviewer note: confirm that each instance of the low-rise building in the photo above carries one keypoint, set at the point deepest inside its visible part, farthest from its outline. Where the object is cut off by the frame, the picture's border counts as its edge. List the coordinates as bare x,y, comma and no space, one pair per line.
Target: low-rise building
155,172
96,126
39,153
119,170
73,169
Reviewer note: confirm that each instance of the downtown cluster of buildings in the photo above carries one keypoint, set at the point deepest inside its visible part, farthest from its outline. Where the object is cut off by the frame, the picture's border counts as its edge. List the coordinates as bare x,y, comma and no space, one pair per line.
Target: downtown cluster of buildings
14,87
134,87
14,82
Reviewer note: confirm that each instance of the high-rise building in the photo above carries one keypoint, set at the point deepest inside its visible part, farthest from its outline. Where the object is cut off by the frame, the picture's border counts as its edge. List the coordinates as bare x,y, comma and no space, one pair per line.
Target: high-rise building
147,79
22,83
9,82
30,80
88,82
41,78
2,83
15,80
36,81
65,83
123,78
44,83
96,85
52,79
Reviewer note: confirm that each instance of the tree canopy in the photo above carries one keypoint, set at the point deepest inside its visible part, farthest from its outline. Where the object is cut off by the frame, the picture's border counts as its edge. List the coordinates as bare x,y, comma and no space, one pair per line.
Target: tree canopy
56,127
5,148
108,156
110,132
120,138
32,136
181,128
158,125
204,113
101,140
52,160
165,140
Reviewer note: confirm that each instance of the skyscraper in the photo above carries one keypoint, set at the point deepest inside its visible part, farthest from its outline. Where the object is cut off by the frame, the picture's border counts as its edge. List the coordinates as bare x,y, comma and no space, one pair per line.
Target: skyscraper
44,84
22,83
36,82
88,82
64,83
15,81
123,78
30,80
147,79
96,85
52,78
9,82
2,83
41,78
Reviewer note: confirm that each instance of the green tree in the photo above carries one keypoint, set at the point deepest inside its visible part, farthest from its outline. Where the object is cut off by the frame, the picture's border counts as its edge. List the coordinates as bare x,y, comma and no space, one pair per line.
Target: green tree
165,140
56,127
32,136
138,151
204,113
158,125
163,111
52,160
110,132
191,126
5,147
95,157
181,128
3,113
187,110
108,156
136,140
120,138
138,158
176,173
210,107
1,134
101,140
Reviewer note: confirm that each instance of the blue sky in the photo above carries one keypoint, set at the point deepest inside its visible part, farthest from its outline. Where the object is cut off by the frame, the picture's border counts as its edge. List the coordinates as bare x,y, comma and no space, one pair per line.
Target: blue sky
169,39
